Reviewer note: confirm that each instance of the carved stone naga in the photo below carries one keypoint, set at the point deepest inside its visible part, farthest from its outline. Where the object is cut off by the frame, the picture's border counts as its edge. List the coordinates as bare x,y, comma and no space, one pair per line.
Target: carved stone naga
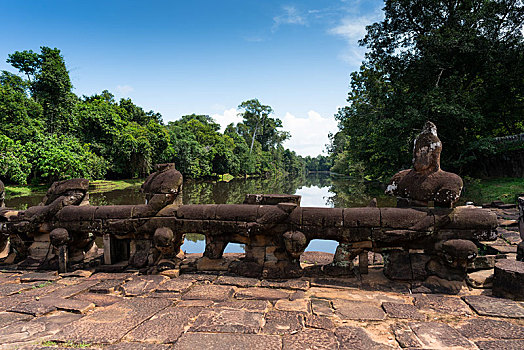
416,242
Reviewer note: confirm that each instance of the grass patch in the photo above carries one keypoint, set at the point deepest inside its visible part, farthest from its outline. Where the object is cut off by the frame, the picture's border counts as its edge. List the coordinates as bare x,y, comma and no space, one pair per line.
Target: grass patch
42,285
22,191
481,191
97,186
66,345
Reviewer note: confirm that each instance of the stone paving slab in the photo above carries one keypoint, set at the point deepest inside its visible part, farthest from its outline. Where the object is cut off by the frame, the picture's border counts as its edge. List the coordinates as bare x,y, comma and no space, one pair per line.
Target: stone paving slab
228,321
287,284
6,318
71,290
283,322
501,344
238,281
140,285
358,310
322,307
175,285
397,310
33,307
164,327
485,328
319,322
39,277
442,304
300,305
209,292
71,305
97,299
310,339
106,286
261,294
439,335
7,289
223,341
495,307
109,324
248,305
350,338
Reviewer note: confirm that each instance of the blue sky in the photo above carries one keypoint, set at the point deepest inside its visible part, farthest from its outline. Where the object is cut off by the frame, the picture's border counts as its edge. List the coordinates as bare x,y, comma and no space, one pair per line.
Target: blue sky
205,57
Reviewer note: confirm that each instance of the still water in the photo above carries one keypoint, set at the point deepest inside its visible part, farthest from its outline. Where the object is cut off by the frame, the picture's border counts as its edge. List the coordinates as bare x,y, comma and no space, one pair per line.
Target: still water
317,190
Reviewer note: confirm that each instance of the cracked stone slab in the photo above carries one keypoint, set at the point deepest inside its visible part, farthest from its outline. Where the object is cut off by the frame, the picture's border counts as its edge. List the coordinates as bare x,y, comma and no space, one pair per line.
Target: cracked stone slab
319,322
195,303
28,332
13,300
358,310
98,299
336,282
7,318
71,290
322,307
485,328
287,284
495,307
39,277
33,307
209,292
442,304
140,285
221,341
438,335
110,324
77,273
7,289
228,321
175,285
283,322
107,286
351,338
72,305
405,337
248,305
103,276
238,281
398,310
299,305
201,277
310,339
164,327
515,344
261,294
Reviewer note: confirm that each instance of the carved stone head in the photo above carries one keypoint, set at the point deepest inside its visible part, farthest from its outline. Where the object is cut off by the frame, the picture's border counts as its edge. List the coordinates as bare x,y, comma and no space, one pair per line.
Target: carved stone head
426,151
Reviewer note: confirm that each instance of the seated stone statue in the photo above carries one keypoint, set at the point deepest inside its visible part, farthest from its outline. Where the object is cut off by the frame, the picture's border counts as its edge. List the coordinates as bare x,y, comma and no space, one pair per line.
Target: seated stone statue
426,182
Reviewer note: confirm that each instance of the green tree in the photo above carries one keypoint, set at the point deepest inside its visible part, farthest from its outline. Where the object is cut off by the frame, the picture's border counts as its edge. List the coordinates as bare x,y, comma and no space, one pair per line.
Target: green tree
457,63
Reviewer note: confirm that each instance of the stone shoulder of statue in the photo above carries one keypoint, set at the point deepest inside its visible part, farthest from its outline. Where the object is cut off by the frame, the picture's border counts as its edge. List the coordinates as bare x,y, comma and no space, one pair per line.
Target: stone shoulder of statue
425,181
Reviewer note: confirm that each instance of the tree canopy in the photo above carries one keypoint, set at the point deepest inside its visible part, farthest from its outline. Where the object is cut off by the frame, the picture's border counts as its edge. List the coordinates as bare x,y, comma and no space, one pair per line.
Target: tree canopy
457,63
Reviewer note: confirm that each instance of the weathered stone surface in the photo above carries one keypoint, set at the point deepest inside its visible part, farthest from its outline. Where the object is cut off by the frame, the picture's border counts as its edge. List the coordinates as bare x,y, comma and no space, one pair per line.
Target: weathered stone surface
336,282
97,299
71,290
210,292
482,262
437,335
136,346
112,276
107,286
195,303
299,305
36,329
322,307
495,307
72,305
77,273
140,285
249,305
485,328
261,294
176,285
238,281
508,280
319,322
357,310
39,277
288,284
228,321
480,279
164,327
405,336
356,338
7,318
397,310
310,339
13,288
111,323
517,344
441,303
221,341
283,322
33,307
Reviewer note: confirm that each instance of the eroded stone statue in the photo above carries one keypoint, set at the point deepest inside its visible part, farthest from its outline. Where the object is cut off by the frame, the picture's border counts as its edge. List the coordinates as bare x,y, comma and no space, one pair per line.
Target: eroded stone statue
426,181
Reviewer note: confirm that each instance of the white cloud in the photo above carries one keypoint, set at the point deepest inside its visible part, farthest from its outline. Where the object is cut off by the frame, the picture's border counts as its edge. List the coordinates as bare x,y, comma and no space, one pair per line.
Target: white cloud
229,116
309,135
124,89
290,16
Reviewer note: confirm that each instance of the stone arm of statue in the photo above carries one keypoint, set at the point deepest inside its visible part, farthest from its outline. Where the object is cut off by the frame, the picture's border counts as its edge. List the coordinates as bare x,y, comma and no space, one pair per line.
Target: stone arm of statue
449,192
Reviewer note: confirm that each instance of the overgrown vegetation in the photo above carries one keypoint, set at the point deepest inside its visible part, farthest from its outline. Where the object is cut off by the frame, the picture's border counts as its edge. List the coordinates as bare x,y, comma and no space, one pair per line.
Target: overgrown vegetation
459,64
488,190
48,133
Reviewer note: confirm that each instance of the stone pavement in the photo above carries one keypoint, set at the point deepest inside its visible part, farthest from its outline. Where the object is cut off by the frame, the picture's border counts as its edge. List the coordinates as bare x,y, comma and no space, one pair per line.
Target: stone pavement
41,310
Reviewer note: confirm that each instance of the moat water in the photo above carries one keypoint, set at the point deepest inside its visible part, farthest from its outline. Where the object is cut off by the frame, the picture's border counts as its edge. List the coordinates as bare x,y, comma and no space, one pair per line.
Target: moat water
317,190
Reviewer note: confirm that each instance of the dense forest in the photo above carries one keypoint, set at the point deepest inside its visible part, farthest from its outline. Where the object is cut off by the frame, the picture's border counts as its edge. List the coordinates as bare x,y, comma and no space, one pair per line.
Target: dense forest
457,63
49,133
